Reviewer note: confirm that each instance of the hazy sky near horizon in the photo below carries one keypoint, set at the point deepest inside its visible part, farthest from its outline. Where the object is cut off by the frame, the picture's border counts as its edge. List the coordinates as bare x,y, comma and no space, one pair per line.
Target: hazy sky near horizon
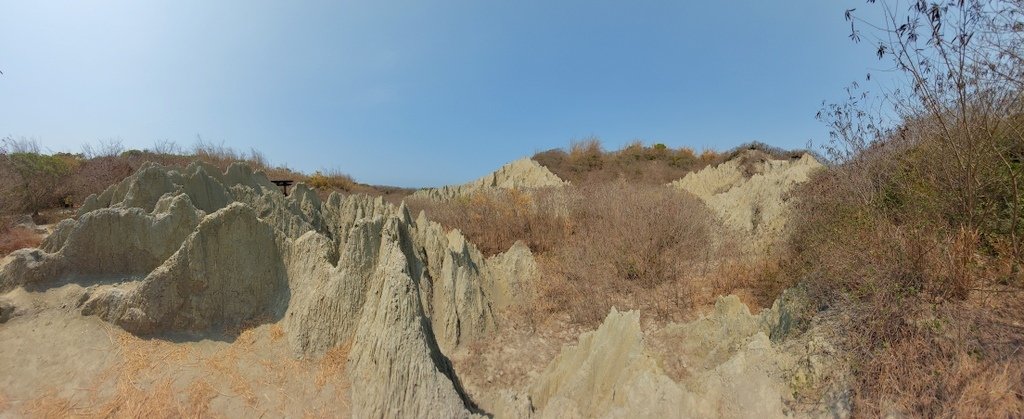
417,93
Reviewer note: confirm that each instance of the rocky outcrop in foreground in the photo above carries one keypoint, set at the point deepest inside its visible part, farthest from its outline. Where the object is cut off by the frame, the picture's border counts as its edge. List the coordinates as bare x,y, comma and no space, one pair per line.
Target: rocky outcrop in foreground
199,252
725,365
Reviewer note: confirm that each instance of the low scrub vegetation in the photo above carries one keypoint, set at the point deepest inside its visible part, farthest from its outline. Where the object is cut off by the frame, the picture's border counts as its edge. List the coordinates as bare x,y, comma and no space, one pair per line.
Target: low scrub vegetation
884,240
631,246
33,181
36,181
13,237
495,220
586,161
914,238
331,180
619,243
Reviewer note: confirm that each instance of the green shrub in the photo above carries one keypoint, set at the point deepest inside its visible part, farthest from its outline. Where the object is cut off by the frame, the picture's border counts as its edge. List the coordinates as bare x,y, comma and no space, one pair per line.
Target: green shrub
36,181
588,162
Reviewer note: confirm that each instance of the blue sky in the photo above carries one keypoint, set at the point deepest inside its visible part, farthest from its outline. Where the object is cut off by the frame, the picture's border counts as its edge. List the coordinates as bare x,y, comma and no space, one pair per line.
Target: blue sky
418,93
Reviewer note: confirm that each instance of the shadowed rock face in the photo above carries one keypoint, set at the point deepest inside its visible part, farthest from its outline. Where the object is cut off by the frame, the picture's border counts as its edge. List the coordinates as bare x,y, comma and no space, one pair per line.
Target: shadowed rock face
393,330
200,252
519,174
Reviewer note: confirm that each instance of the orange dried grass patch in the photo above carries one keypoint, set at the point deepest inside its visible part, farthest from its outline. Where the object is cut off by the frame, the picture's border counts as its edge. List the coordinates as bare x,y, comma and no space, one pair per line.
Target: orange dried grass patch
332,365
49,405
225,362
131,398
200,394
276,332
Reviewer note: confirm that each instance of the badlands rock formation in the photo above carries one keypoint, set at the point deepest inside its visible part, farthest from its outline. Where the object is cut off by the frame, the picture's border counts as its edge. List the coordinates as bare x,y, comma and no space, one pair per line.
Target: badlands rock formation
201,252
730,368
750,192
197,253
519,174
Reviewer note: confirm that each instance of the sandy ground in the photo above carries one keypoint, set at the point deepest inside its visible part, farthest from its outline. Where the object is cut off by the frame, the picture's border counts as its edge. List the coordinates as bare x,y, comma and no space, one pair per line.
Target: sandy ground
55,362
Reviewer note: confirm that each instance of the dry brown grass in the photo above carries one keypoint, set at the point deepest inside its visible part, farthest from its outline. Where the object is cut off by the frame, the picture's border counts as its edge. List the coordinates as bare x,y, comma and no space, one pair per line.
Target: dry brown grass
620,243
631,246
959,359
199,395
923,281
16,238
757,281
225,364
331,367
276,332
138,391
132,396
48,406
157,378
495,220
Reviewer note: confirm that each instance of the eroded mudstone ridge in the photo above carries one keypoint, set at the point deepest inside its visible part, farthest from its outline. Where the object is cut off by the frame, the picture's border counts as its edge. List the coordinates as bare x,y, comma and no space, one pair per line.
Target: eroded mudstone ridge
750,193
198,251
730,369
519,174
228,271
107,242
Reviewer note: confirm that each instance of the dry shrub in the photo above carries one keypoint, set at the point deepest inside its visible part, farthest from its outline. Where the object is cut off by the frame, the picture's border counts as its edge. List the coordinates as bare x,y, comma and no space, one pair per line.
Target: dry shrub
33,181
620,243
495,220
757,150
331,180
221,155
52,216
327,182
958,359
757,281
14,238
95,175
586,161
632,246
921,343
646,235
923,281
707,156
